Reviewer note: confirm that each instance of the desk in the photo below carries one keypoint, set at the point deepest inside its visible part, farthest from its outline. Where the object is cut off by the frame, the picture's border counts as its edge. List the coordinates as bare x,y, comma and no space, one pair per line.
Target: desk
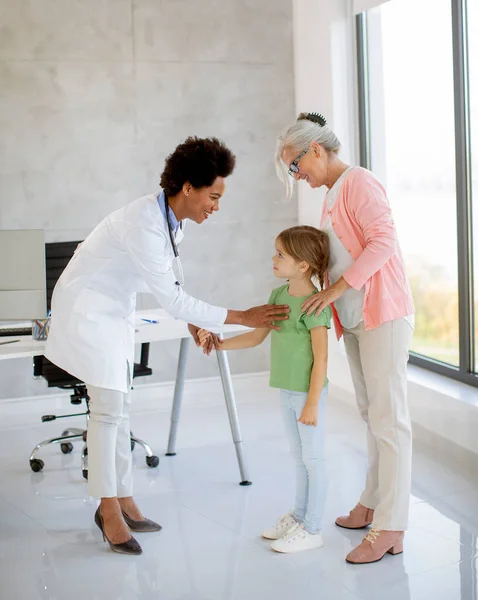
167,328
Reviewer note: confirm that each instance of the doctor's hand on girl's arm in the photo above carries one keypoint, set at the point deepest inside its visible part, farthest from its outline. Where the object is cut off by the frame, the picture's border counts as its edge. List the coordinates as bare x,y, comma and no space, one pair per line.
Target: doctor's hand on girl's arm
259,316
317,302
238,342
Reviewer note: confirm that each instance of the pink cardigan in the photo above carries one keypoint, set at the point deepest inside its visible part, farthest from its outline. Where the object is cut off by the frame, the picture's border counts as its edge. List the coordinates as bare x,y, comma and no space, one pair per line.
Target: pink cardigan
362,218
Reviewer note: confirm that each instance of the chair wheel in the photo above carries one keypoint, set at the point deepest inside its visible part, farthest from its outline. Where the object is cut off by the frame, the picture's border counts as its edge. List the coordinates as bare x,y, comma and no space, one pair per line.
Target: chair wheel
133,444
85,473
152,461
67,448
36,465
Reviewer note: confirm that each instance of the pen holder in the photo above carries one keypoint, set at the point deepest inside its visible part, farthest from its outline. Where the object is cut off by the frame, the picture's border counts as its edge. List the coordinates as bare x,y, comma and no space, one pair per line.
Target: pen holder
40,329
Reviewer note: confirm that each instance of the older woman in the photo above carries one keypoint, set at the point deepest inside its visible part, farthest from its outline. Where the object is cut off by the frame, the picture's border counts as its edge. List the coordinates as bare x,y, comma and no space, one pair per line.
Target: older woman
373,309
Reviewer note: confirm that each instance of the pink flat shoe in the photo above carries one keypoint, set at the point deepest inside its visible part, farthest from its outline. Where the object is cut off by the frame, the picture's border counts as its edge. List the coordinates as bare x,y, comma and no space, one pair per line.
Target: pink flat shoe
375,545
358,518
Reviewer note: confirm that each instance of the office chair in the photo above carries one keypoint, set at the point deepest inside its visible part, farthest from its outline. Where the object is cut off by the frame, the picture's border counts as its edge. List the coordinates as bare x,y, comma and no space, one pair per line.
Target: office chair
57,256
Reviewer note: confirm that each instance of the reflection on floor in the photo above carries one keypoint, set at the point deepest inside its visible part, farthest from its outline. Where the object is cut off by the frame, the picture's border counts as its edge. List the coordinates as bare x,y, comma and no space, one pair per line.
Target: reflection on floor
210,547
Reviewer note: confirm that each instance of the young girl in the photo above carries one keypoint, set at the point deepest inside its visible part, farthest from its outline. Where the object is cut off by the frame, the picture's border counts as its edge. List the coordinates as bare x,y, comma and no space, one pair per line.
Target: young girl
299,370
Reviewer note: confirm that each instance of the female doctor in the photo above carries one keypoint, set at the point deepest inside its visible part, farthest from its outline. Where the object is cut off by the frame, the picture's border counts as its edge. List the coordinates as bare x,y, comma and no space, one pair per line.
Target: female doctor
92,320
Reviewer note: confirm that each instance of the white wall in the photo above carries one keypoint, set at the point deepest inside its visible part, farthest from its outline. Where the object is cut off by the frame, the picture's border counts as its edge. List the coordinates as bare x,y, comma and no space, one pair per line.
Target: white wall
325,75
95,94
325,78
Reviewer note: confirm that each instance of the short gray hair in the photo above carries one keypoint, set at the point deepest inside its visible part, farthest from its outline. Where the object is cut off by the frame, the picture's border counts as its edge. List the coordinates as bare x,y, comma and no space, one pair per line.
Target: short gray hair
300,135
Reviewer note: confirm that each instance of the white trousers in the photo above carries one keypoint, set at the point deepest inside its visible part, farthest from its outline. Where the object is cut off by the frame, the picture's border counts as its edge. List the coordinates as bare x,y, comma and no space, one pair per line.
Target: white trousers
378,364
110,467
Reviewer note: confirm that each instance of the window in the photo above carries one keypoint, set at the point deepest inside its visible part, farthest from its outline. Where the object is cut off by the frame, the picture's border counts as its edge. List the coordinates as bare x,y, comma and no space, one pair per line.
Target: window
410,77
473,79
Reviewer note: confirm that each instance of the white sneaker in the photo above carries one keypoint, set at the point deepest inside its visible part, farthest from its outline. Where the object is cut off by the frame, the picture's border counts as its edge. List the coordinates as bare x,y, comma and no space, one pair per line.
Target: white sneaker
298,540
283,526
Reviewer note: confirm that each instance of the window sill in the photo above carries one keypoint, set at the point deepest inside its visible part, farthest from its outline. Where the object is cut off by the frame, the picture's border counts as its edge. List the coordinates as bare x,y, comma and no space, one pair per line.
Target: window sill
444,412
443,385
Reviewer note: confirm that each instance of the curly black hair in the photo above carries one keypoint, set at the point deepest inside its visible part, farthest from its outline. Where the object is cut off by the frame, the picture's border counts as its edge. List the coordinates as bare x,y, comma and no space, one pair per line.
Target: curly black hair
198,161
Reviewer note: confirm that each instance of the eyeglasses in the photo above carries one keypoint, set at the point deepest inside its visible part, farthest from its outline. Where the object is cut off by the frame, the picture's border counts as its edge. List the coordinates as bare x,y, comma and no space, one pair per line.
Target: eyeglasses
294,165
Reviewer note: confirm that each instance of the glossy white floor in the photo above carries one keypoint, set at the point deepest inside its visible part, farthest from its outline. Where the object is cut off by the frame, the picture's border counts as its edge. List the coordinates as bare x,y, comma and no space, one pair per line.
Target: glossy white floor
210,547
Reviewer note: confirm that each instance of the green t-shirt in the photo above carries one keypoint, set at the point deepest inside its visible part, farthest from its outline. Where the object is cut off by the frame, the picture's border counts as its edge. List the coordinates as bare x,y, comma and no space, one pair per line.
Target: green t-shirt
291,347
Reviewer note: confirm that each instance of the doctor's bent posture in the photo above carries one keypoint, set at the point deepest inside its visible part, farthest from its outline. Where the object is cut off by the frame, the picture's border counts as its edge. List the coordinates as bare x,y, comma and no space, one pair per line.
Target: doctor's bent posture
134,249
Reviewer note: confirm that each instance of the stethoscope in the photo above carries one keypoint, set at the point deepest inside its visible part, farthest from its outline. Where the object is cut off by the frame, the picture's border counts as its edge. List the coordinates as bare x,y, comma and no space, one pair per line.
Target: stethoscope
177,266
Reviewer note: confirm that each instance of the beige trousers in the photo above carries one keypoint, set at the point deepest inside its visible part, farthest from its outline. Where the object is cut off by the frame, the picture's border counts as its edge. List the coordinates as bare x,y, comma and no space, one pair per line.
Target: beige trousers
378,364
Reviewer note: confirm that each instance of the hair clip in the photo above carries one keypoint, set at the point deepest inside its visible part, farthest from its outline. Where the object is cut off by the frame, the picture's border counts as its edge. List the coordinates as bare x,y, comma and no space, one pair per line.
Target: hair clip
316,118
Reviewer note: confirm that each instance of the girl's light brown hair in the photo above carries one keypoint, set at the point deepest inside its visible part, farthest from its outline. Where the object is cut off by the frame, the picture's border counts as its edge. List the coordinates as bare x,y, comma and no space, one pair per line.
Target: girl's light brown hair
306,243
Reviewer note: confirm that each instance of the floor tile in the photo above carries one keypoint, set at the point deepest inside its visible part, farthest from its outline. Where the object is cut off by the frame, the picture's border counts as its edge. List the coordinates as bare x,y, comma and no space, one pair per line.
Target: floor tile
210,547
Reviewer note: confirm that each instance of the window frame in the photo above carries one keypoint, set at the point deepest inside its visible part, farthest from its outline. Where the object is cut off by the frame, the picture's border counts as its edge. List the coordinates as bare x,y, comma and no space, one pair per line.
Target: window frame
465,372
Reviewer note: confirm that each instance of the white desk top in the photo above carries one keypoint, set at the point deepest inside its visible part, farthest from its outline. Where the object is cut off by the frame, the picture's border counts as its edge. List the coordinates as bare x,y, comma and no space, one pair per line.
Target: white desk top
167,328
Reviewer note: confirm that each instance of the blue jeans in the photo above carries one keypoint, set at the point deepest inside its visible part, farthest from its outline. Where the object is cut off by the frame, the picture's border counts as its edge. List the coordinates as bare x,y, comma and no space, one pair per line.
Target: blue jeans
307,448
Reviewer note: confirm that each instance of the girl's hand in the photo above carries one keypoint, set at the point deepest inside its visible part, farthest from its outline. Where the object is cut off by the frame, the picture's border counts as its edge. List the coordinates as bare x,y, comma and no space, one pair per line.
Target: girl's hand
309,416
193,330
208,341
318,302
203,336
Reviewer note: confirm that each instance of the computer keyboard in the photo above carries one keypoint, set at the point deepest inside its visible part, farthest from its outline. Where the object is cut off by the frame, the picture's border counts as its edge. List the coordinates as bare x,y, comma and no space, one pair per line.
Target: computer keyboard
9,331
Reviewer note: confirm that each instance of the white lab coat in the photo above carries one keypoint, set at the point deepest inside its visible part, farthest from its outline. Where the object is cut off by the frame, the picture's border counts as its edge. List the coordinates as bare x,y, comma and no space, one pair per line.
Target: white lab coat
93,305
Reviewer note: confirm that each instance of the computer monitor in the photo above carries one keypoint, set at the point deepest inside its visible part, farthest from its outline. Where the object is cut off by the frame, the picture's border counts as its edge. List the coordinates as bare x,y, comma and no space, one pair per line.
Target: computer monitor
22,275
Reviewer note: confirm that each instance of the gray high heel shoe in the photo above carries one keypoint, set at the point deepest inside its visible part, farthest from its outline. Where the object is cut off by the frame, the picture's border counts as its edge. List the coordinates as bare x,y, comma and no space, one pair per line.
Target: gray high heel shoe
144,526
129,547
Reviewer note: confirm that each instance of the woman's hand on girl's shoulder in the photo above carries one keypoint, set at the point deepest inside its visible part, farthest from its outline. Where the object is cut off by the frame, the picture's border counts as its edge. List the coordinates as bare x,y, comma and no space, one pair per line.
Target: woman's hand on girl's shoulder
319,302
